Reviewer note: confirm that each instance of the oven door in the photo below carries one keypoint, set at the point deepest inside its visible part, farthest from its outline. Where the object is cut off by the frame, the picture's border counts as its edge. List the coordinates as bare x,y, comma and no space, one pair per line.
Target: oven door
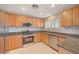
28,39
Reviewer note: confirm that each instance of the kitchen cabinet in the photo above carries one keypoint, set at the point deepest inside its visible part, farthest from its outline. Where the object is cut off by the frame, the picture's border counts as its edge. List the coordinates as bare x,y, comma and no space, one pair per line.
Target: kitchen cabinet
13,42
23,19
16,41
76,16
44,38
64,43
38,22
10,20
2,44
41,37
34,22
28,19
63,51
2,19
18,20
37,37
66,18
41,23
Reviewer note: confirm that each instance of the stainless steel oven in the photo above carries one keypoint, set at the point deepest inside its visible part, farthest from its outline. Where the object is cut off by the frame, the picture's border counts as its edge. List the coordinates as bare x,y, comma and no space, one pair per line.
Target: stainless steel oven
28,39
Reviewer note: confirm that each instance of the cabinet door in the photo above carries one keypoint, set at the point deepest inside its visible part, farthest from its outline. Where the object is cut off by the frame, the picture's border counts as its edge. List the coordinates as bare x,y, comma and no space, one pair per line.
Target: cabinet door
66,18
10,20
38,23
19,21
76,16
64,42
23,19
28,19
41,23
13,42
16,41
37,37
44,38
63,51
2,47
35,22
8,43
2,19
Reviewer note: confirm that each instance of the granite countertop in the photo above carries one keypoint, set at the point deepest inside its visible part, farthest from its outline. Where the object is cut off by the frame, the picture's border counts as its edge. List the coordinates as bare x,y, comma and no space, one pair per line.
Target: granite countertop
33,29
12,30
63,31
71,38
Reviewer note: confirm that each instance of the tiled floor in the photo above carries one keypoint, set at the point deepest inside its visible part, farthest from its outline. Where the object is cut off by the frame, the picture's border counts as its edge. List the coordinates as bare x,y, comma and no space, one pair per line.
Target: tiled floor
34,48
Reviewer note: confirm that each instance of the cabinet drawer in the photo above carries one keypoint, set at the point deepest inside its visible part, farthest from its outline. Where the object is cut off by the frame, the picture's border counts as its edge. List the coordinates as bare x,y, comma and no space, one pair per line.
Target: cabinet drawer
63,51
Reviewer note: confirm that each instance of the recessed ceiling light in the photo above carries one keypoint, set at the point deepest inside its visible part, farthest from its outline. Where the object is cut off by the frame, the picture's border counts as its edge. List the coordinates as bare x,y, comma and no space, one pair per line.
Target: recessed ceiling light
23,8
40,13
48,15
53,5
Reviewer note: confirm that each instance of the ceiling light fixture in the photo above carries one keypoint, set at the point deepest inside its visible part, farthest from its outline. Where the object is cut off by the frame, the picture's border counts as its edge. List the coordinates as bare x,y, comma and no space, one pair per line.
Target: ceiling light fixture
40,13
53,5
23,8
48,15
35,6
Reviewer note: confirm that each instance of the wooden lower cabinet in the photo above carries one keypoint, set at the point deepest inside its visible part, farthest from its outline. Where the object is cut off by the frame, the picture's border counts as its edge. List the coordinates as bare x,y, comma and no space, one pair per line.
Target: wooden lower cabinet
44,38
13,42
63,51
37,37
1,44
41,37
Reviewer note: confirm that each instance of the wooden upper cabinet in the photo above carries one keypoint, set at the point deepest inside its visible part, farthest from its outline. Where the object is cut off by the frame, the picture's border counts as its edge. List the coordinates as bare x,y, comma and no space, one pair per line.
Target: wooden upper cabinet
34,22
10,20
19,21
38,22
1,19
23,19
76,16
66,18
41,23
28,19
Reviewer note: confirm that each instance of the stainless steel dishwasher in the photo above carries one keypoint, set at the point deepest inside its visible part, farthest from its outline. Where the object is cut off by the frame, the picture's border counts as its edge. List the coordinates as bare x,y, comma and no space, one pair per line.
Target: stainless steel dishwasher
53,42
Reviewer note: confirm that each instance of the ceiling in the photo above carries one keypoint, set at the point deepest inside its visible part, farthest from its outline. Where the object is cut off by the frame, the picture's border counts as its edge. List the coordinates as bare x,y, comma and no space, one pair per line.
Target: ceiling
43,11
